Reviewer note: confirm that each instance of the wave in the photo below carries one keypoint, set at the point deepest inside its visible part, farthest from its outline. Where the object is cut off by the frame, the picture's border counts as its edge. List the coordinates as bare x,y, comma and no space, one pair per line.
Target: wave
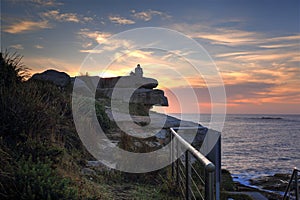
258,118
271,118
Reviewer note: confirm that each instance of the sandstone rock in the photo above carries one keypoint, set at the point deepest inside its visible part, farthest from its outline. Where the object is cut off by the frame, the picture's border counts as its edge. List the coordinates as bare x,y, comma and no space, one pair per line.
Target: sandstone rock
99,166
159,126
149,97
274,183
132,89
128,82
58,78
88,171
94,163
120,88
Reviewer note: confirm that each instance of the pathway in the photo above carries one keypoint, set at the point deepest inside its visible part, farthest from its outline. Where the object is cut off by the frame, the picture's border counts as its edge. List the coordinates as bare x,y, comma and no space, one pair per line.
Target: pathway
253,195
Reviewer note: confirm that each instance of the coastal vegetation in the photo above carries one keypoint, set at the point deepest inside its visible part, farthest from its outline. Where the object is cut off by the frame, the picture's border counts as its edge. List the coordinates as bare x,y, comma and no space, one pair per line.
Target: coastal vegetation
41,155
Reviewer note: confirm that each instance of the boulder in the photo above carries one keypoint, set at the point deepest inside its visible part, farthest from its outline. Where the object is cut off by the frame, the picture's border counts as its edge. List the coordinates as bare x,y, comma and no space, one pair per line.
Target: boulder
149,97
88,171
142,95
273,183
61,79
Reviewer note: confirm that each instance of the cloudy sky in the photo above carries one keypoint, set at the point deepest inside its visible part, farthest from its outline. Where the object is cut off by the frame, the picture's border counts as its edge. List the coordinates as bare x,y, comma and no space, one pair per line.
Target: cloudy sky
254,44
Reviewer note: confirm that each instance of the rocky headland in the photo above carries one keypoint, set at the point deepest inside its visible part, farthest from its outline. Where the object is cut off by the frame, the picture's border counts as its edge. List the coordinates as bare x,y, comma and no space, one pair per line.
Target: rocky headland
144,97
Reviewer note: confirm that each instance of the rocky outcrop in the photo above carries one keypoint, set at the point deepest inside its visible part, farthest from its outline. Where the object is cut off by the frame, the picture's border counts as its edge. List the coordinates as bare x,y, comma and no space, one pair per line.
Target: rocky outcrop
140,87
278,182
139,96
149,97
160,127
144,92
61,79
88,171
128,82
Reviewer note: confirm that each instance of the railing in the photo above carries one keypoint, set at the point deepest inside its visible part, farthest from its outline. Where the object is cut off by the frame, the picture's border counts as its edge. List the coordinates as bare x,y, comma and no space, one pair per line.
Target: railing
194,181
295,186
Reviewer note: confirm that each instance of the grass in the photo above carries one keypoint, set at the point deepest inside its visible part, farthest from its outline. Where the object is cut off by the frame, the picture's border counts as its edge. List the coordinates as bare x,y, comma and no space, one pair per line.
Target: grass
37,134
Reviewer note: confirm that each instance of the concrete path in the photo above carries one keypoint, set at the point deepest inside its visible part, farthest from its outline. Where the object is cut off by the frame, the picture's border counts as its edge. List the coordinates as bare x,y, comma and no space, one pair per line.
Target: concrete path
256,195
253,195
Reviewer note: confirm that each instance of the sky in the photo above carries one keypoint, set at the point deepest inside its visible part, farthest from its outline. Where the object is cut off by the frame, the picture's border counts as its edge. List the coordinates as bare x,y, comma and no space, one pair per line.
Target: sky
254,45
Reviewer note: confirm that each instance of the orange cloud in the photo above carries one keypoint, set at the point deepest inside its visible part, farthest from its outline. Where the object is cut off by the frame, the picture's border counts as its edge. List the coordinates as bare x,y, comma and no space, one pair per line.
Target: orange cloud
230,37
38,46
65,17
62,17
47,3
284,38
17,46
147,15
26,25
276,46
120,20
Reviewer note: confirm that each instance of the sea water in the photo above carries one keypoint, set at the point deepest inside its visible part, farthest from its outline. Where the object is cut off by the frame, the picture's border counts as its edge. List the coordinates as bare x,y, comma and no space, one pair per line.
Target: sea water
257,145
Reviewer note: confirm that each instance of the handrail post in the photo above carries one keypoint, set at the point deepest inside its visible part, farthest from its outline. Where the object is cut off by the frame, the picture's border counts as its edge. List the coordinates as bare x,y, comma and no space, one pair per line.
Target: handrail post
187,176
209,185
177,162
289,185
296,184
210,168
172,153
287,190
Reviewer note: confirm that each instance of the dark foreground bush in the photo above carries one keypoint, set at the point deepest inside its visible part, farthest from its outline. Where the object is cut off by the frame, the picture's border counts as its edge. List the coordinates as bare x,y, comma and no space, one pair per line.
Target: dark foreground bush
37,180
32,143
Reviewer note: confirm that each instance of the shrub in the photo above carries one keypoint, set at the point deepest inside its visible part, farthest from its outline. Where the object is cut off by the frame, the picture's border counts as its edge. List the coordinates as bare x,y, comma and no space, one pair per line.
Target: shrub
30,120
227,183
138,109
12,70
102,117
27,110
37,180
6,172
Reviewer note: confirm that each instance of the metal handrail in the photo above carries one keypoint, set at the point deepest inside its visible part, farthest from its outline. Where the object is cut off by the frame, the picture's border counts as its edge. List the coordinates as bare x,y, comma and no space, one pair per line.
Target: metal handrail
295,178
208,166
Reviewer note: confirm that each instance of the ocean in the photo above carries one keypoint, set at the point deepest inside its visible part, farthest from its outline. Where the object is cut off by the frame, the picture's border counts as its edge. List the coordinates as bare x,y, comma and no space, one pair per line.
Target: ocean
257,145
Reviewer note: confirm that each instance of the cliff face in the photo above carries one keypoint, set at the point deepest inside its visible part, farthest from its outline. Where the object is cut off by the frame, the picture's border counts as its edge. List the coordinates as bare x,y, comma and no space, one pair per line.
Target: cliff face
127,82
144,92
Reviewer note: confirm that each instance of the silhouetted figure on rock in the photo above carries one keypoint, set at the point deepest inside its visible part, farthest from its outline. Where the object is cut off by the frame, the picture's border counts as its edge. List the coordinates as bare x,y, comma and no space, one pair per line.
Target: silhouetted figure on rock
138,71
